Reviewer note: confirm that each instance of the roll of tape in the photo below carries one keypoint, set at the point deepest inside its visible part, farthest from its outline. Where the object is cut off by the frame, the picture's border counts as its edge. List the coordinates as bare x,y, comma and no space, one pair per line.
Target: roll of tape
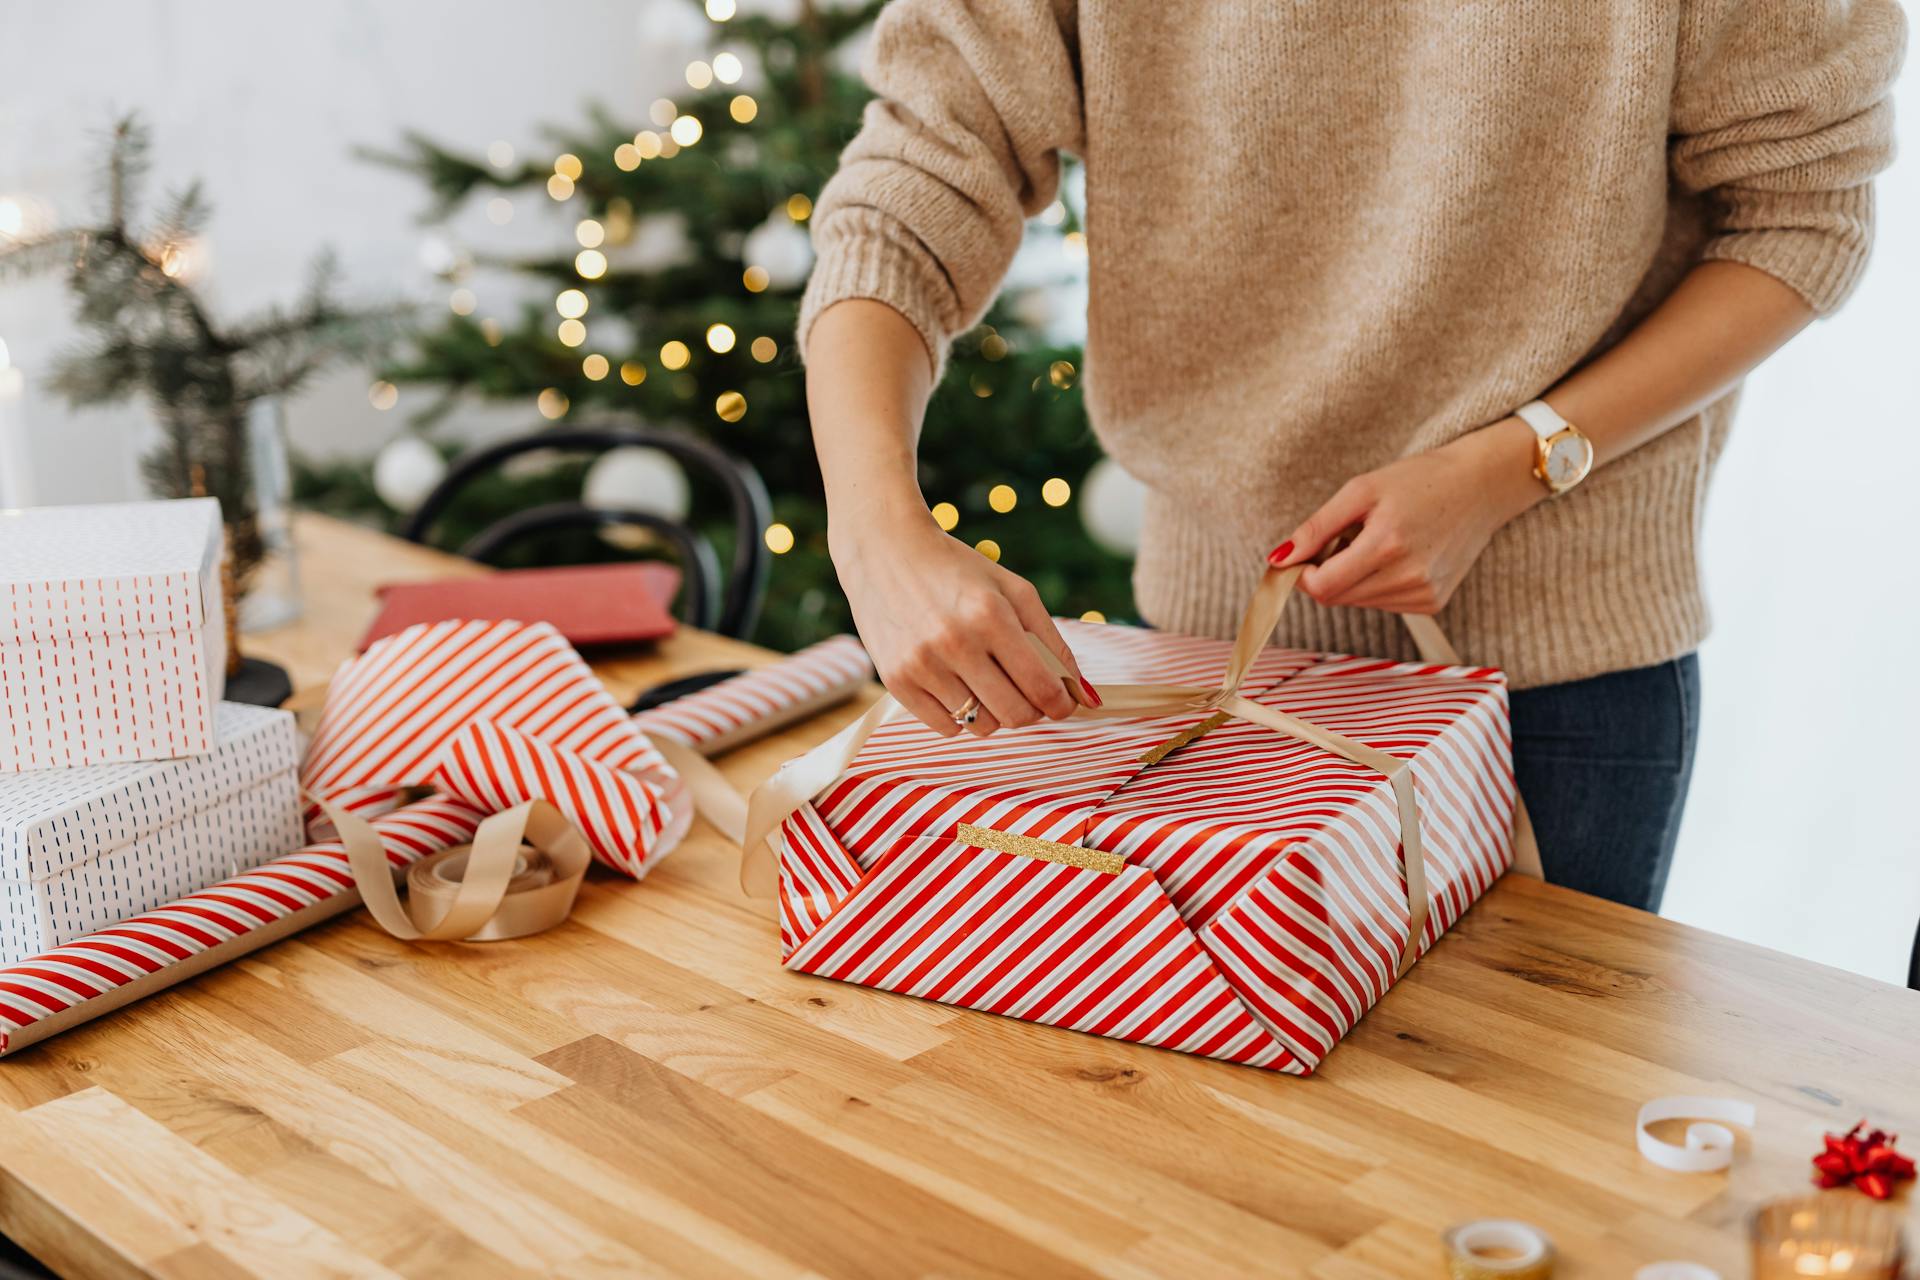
1708,1146
518,876
534,901
1497,1249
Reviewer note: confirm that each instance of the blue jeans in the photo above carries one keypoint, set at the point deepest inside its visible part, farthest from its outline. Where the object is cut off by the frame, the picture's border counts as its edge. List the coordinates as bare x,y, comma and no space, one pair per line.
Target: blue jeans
1604,765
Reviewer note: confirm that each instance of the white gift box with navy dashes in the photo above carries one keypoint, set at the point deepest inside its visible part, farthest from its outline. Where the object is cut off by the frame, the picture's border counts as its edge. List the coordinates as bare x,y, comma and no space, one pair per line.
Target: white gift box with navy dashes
82,849
113,638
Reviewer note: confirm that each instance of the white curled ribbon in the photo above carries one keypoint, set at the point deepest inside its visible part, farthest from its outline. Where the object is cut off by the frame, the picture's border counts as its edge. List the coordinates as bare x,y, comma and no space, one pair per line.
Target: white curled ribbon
1676,1271
1708,1146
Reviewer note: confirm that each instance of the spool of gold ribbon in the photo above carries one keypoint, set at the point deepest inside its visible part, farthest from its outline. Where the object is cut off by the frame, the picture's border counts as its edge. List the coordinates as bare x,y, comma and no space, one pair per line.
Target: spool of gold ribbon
1497,1249
519,876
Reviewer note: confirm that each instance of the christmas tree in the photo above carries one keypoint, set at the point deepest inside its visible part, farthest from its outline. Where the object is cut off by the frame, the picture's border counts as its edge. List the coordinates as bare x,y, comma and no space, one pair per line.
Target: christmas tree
675,307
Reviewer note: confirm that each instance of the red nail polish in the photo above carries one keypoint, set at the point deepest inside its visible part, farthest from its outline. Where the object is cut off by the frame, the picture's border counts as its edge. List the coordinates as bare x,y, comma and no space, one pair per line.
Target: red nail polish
1278,556
1093,695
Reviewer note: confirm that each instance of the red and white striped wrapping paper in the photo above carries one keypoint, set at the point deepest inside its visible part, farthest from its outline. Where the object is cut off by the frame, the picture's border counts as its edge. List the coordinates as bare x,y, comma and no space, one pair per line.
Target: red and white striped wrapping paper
759,701
486,714
111,967
1262,907
495,713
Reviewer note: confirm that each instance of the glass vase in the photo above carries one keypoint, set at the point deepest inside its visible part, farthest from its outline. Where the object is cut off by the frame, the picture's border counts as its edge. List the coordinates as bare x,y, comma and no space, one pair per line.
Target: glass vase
273,593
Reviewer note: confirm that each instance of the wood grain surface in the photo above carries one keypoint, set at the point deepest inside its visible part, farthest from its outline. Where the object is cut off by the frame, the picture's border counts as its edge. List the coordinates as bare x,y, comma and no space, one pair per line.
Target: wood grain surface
645,1092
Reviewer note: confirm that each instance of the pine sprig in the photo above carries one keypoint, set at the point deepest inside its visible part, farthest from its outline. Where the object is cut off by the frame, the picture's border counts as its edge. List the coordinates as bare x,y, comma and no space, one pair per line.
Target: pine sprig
148,334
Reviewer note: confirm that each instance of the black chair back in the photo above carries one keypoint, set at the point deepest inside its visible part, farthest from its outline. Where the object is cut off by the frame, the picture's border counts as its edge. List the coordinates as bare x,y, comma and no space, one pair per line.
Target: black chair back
728,604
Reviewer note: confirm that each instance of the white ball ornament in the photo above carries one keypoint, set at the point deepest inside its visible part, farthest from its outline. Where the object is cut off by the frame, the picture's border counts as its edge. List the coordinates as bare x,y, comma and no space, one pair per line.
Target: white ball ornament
405,472
782,247
660,240
1112,505
637,479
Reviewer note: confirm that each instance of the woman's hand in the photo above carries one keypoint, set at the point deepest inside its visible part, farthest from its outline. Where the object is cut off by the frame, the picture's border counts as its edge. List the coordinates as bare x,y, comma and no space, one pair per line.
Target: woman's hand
1422,522
945,624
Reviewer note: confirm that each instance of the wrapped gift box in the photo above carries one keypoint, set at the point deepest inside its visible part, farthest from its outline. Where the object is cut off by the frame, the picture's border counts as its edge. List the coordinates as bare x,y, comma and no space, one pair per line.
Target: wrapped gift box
84,848
1194,881
113,635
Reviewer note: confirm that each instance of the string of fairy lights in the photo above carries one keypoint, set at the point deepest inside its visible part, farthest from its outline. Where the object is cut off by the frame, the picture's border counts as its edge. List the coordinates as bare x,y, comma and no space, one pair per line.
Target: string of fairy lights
674,131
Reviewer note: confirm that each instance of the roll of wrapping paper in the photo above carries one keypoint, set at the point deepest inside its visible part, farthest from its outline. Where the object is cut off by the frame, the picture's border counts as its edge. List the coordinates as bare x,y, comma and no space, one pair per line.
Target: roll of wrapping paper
96,974
759,701
1497,1249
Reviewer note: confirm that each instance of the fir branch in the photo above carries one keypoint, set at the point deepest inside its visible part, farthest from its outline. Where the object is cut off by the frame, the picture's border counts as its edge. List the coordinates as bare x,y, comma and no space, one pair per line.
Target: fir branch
450,177
35,256
183,218
129,156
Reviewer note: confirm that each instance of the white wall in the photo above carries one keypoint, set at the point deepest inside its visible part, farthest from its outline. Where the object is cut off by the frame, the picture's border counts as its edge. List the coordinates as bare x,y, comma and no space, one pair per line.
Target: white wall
1801,831
267,103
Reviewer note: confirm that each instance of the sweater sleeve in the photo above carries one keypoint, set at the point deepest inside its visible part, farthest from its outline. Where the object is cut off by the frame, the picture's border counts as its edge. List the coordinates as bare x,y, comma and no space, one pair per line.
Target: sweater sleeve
1781,116
976,100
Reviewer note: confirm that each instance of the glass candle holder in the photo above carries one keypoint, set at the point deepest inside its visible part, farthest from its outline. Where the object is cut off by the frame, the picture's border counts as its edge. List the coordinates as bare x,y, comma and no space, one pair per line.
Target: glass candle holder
1837,1234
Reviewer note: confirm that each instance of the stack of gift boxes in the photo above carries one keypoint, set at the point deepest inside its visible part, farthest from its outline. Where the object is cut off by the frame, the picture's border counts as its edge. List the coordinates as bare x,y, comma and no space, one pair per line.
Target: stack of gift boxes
125,780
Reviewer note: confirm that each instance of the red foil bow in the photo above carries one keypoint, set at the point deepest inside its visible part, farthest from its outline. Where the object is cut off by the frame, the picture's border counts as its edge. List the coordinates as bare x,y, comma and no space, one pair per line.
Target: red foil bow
1868,1162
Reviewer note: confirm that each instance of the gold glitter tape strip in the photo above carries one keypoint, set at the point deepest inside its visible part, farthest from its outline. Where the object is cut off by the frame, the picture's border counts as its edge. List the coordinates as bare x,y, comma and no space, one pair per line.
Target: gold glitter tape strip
1071,855
1185,736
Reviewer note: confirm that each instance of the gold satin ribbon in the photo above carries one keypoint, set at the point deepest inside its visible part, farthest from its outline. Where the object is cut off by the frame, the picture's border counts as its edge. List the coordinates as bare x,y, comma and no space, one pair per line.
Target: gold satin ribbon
519,876
805,776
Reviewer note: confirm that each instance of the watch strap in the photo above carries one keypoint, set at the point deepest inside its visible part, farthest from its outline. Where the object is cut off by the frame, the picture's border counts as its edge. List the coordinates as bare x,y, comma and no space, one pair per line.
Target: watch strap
1539,415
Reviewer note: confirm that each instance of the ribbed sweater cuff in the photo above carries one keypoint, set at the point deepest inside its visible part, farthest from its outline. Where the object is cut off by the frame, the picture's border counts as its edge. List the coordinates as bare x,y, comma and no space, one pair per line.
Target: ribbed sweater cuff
856,263
1815,243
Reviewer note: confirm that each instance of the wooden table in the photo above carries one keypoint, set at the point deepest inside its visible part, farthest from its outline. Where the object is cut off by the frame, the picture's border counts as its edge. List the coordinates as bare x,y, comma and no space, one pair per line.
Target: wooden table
644,1091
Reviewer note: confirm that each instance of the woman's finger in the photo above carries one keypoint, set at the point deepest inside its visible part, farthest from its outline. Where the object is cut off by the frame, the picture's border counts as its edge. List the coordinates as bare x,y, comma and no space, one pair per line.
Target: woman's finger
997,693
1390,581
1347,507
1033,616
926,707
983,724
1332,582
949,690
1037,682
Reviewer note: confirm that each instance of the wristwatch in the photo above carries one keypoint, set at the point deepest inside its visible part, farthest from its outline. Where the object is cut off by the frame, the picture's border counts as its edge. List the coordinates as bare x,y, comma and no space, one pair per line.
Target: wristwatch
1564,454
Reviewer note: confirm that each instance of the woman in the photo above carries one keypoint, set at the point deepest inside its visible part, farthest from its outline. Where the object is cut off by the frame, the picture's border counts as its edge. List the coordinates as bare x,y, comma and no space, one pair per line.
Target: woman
1476,283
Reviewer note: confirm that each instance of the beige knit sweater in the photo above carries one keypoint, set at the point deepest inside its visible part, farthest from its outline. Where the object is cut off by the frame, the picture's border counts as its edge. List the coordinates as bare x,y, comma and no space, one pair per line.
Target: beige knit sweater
1324,235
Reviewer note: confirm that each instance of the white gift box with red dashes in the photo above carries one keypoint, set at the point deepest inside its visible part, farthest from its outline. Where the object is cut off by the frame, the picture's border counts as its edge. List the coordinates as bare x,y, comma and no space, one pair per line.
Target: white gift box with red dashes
1260,906
83,848
112,632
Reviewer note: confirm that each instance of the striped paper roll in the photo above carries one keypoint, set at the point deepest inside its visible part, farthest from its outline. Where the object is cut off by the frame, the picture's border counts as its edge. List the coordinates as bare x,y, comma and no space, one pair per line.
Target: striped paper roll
755,703
103,970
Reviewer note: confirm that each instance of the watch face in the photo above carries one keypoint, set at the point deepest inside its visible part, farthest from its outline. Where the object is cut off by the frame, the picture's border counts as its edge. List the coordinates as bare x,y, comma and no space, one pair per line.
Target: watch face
1567,460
